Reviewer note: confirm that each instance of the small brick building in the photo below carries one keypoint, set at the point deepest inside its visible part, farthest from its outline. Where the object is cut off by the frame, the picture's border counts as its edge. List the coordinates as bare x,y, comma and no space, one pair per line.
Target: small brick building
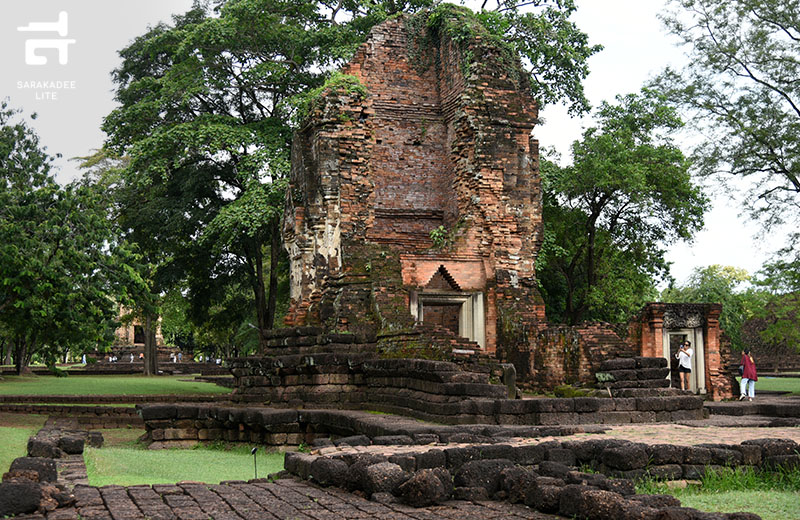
434,136
661,328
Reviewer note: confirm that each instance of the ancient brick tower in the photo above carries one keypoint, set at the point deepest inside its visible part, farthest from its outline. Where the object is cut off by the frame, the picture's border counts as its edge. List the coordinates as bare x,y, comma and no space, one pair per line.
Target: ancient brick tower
429,131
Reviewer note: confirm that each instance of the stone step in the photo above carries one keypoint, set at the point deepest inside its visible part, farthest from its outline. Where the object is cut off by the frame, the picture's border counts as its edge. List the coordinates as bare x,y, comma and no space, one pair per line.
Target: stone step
741,408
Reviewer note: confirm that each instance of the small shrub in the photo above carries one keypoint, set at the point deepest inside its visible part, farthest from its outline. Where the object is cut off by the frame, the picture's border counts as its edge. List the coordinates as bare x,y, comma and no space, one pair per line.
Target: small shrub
58,372
568,391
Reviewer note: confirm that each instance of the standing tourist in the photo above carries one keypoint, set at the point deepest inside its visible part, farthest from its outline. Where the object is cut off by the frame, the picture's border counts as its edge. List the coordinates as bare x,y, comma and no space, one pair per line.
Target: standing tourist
684,356
749,377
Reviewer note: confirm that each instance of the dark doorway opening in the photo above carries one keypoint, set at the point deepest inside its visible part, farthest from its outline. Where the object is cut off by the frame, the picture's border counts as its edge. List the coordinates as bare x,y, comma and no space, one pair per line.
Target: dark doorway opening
444,315
138,334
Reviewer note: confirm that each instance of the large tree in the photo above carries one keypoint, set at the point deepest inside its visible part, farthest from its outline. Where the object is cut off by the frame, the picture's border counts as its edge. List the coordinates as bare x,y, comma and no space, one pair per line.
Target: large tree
61,269
206,112
609,216
741,86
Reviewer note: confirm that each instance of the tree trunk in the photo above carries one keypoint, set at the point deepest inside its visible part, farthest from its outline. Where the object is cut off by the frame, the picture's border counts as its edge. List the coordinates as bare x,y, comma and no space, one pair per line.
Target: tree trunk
150,347
257,281
6,351
274,254
22,355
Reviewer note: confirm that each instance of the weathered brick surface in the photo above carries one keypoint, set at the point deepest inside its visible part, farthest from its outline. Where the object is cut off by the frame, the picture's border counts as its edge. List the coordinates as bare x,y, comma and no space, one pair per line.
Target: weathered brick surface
647,333
426,147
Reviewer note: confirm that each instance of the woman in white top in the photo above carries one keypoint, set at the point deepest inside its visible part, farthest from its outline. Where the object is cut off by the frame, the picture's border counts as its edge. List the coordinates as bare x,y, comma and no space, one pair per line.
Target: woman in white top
684,356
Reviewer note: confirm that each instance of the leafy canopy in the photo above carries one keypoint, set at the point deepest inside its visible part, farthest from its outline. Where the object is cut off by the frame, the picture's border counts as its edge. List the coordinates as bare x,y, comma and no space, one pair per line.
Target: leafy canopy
61,268
741,86
609,216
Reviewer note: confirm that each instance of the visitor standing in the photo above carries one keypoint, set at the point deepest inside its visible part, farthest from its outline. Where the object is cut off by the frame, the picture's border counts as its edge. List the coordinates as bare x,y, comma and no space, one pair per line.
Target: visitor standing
749,376
684,356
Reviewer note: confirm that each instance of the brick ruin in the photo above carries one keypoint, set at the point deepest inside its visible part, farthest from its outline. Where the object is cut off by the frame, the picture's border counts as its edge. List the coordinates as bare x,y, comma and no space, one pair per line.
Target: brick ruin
413,215
436,138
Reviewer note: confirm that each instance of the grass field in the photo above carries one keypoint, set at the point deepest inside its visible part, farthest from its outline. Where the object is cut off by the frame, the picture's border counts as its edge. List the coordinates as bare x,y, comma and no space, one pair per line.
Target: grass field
778,384
106,385
126,462
769,505
14,432
773,496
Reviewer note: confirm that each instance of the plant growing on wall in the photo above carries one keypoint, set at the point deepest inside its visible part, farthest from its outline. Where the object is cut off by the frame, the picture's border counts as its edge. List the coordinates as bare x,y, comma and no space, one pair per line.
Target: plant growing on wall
552,50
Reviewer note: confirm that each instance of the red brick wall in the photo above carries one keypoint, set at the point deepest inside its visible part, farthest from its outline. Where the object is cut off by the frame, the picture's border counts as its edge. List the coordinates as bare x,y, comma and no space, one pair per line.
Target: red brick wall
427,147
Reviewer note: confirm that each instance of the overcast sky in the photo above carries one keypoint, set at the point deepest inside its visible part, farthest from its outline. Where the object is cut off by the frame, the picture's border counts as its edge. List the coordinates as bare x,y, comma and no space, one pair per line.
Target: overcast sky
636,47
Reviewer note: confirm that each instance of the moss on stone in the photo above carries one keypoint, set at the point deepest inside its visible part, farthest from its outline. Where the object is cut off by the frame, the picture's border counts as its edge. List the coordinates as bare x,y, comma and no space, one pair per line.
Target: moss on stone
347,84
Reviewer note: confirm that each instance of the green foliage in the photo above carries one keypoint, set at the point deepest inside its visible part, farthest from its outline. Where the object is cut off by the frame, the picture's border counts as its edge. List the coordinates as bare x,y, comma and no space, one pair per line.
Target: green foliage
206,128
740,84
780,281
552,50
337,82
604,377
609,216
443,237
569,391
62,267
58,372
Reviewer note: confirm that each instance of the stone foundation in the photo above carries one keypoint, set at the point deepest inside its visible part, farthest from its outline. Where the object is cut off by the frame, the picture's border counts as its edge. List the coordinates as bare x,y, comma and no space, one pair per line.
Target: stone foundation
543,475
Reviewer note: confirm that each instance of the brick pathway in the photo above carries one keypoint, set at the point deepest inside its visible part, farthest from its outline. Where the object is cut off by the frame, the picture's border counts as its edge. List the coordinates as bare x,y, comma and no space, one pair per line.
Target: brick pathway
284,499
690,434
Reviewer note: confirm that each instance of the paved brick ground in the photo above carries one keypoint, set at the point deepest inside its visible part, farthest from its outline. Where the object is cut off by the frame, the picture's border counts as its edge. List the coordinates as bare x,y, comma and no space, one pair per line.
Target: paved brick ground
285,499
685,434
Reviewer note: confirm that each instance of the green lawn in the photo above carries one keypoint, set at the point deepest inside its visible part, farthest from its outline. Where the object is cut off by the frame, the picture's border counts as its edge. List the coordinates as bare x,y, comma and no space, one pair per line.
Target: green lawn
773,496
779,384
770,505
14,432
106,385
133,464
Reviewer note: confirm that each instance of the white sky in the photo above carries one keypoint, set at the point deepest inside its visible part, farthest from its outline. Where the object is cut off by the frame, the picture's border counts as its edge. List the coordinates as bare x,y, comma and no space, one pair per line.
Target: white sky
636,48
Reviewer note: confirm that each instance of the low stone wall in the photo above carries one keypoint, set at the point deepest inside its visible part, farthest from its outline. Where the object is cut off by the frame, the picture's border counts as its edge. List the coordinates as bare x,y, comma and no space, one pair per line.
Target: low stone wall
114,399
137,367
543,475
433,390
173,424
90,417
40,482
450,393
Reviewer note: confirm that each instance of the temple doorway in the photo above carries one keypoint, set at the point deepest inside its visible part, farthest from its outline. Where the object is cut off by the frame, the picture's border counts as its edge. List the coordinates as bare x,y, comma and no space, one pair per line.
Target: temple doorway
672,342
